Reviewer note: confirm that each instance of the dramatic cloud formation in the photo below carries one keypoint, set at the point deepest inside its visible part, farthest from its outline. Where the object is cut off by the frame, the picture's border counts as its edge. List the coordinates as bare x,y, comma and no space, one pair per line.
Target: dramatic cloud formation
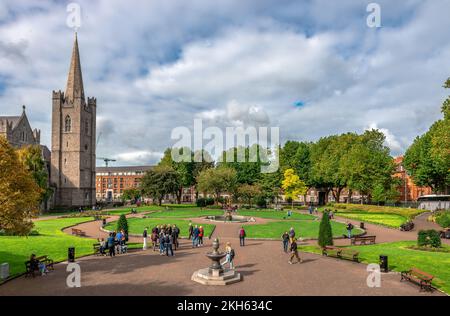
156,65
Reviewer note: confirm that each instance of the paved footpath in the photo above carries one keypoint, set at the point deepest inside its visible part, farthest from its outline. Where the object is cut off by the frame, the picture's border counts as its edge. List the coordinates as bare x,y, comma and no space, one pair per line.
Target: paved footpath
263,265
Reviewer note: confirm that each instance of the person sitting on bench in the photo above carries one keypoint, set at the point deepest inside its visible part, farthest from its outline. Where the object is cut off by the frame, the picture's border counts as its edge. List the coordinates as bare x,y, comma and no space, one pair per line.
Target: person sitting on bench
103,246
35,264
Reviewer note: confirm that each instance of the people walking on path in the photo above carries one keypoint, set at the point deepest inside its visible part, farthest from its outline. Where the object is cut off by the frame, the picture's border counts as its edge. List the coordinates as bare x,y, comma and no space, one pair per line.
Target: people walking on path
349,229
144,235
310,209
285,238
291,234
294,252
242,236
229,258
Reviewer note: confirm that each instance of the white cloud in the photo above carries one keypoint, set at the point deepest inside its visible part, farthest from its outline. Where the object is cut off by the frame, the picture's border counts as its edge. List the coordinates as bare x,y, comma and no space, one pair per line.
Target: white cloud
230,62
141,157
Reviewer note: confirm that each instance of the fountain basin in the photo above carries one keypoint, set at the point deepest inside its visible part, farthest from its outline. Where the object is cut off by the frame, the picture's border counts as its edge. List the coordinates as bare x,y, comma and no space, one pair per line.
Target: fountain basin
224,218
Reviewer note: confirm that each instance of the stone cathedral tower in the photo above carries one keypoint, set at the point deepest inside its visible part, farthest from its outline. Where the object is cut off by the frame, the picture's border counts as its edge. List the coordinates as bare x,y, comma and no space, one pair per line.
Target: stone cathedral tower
73,140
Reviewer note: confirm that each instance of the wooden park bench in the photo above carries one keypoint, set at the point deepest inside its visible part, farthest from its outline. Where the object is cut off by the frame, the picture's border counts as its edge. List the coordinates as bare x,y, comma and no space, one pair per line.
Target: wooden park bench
341,253
419,277
43,259
78,232
363,240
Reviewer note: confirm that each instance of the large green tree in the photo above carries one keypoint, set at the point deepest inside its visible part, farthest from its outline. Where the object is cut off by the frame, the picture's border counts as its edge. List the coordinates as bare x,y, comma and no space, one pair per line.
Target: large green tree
160,181
19,193
31,157
184,169
428,158
368,163
248,192
217,181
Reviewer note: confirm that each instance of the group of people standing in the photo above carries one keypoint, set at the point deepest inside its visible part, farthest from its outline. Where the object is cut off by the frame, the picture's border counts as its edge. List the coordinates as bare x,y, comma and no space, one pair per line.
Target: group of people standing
115,243
164,237
196,234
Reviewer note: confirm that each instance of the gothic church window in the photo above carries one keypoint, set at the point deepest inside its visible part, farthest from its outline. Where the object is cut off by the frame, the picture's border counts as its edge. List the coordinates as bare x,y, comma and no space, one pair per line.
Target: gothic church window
68,124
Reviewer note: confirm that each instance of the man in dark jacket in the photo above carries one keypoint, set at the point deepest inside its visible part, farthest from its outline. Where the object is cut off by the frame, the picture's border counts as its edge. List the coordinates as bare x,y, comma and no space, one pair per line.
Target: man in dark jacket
195,234
168,243
191,230
294,252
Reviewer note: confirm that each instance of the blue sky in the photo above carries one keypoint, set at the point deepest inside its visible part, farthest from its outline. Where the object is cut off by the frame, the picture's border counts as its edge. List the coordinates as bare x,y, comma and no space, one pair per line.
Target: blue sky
156,65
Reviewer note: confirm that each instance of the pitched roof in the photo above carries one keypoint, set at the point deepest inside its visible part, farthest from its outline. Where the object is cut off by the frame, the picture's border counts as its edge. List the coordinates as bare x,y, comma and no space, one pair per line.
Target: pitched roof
74,88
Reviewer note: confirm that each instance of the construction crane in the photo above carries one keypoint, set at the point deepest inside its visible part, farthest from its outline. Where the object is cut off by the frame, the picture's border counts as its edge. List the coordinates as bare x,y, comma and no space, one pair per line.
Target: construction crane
106,160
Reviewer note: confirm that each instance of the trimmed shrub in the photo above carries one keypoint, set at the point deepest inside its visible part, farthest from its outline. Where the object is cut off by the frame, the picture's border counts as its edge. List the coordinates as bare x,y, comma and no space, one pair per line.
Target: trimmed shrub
201,202
325,232
122,224
209,201
443,219
429,238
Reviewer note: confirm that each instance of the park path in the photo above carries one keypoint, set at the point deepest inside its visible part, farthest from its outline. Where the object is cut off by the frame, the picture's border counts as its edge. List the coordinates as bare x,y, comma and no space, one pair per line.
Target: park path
262,263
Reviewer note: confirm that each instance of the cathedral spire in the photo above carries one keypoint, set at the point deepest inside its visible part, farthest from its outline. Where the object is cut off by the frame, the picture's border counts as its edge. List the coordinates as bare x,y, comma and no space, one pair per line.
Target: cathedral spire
74,89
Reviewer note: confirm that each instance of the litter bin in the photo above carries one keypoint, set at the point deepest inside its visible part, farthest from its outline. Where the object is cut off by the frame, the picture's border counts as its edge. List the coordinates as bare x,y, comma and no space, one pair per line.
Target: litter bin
384,263
361,225
71,254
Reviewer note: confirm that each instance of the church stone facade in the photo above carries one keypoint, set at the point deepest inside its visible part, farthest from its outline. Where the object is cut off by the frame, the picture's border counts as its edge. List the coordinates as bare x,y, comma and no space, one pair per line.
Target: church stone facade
73,140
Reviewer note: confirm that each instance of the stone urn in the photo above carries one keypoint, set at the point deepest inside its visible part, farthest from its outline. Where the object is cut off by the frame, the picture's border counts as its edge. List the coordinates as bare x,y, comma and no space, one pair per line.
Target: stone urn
216,274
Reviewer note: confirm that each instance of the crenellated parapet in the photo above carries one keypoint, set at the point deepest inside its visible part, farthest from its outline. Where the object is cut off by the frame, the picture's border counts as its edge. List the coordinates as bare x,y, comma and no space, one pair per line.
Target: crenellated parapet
37,135
58,95
92,101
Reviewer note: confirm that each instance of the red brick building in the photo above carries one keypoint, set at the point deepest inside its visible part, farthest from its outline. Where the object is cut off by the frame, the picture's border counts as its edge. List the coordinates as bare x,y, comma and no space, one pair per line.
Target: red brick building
111,181
408,190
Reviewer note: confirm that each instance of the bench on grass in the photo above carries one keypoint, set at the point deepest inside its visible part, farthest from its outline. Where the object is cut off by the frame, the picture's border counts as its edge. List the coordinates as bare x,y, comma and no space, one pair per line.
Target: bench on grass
341,253
78,232
419,277
42,259
363,240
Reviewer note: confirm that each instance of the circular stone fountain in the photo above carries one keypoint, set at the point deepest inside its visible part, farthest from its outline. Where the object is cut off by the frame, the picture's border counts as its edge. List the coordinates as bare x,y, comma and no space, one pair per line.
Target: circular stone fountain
216,274
228,217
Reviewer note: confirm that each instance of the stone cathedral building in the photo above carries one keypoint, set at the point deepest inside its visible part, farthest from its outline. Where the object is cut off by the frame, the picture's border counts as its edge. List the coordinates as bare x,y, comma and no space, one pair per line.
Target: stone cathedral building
73,140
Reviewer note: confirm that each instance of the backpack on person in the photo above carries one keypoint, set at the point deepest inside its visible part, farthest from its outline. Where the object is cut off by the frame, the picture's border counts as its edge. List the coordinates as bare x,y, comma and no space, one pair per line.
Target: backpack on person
232,254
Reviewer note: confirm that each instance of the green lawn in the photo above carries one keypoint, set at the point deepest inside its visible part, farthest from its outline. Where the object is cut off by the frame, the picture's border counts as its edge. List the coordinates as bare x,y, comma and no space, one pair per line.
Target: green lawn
400,258
185,213
272,214
390,220
51,241
362,208
137,225
304,229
